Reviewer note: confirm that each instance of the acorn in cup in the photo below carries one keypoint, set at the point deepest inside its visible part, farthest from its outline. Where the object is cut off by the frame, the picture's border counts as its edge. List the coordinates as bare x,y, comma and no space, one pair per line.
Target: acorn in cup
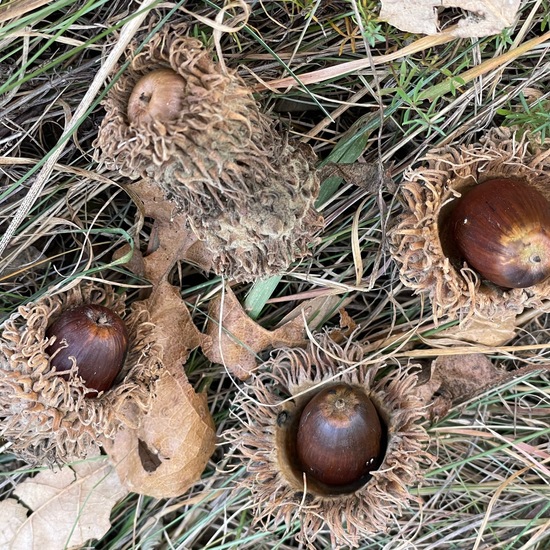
501,227
96,338
329,450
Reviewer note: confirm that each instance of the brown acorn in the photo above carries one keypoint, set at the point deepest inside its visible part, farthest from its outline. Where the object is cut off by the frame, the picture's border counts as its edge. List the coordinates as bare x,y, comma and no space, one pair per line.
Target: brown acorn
501,227
157,96
425,238
97,339
339,437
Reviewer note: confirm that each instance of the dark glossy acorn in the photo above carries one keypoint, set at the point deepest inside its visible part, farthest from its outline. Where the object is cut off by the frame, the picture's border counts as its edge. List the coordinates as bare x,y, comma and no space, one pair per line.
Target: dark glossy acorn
339,439
501,227
98,340
157,96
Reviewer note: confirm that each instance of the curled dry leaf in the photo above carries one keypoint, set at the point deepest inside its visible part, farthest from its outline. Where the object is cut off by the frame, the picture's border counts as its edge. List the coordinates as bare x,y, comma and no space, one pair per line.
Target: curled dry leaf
461,376
168,452
174,439
237,341
486,17
371,176
176,331
317,311
481,330
454,379
61,509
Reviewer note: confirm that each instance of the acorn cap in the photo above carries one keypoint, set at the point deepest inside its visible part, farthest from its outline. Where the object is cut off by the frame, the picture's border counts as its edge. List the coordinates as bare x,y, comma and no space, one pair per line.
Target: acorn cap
47,418
268,411
423,251
248,192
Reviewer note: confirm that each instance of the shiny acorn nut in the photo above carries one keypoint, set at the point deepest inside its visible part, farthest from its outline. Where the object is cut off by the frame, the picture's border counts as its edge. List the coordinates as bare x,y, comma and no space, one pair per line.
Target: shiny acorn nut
501,227
339,438
157,96
98,340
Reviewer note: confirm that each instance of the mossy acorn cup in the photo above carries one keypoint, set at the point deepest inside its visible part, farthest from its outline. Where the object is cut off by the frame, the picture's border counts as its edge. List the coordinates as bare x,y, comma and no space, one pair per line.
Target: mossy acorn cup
71,365
194,129
328,448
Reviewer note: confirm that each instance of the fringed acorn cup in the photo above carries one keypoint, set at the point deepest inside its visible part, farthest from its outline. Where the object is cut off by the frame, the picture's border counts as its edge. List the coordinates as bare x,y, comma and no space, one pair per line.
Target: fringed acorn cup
329,442
70,365
175,117
474,234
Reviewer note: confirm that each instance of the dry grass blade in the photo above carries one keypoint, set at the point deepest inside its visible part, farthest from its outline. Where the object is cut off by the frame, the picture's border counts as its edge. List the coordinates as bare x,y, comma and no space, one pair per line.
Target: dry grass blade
16,8
342,69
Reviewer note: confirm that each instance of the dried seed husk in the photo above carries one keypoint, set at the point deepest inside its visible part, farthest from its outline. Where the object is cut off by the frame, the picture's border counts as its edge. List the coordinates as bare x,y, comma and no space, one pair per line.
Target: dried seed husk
248,191
423,251
47,419
268,409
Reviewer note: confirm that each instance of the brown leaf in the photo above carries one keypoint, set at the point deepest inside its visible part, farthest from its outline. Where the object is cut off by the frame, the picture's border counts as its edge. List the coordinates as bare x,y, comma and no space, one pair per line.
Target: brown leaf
463,375
174,327
175,438
170,449
347,323
61,509
317,311
486,17
173,240
239,339
480,330
452,379
135,264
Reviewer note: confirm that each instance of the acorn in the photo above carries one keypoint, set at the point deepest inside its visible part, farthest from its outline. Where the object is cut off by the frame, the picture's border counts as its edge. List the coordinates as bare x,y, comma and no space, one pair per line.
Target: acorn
157,96
501,227
487,277
51,417
339,437
96,338
327,449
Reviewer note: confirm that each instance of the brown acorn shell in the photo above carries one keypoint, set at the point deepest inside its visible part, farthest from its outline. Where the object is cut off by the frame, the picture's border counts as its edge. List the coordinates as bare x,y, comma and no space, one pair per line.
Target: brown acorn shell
47,418
269,409
424,252
248,191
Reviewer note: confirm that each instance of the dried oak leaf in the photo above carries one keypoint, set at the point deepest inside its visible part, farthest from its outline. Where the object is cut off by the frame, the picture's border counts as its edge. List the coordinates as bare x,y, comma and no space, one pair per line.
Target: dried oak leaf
171,240
168,450
451,379
61,509
485,17
371,176
239,338
317,311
